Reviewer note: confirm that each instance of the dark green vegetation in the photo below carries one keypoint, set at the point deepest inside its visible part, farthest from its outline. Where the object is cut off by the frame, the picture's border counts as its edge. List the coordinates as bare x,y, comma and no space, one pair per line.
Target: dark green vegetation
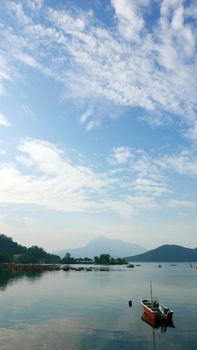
103,259
8,248
36,255
11,251
167,253
106,259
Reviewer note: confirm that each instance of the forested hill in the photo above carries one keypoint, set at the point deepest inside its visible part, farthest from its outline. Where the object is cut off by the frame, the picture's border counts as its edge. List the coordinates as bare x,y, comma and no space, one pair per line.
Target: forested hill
167,253
7,245
11,251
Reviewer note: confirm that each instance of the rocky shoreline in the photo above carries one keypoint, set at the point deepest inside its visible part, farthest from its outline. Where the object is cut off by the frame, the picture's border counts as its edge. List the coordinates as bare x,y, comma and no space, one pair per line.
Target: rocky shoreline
49,267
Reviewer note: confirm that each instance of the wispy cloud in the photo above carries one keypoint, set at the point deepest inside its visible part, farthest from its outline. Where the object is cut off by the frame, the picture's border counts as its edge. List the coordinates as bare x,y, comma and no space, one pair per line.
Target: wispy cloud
120,155
184,163
43,174
192,131
51,180
4,120
25,111
88,119
150,174
148,186
5,74
174,203
136,63
33,5
129,16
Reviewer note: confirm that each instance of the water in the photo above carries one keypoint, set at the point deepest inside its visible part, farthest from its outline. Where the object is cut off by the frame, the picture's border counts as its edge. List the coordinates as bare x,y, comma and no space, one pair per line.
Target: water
89,310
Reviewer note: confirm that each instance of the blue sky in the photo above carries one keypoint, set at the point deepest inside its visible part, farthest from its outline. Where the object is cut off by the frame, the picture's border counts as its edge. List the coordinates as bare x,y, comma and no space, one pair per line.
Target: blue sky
98,123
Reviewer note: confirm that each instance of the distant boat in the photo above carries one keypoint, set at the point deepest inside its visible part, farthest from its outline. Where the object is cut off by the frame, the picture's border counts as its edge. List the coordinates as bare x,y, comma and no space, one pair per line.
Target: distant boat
130,266
154,309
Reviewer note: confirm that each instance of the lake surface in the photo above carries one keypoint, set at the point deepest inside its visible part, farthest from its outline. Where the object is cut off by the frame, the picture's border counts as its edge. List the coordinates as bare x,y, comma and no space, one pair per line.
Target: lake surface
89,310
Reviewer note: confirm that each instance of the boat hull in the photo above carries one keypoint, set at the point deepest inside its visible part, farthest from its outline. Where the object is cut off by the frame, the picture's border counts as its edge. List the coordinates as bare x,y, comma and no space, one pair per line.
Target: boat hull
153,322
157,323
151,313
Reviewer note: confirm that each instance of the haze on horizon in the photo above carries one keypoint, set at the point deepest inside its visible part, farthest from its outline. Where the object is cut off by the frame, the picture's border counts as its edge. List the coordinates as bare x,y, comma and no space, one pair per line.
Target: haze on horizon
98,124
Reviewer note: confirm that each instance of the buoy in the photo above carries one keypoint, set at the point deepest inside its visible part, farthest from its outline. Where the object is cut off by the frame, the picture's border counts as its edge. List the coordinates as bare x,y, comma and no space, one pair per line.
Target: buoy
130,303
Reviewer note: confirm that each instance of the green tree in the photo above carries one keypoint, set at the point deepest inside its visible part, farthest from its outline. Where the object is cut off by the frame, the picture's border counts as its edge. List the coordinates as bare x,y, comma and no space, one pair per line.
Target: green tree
35,255
7,245
5,257
103,259
68,259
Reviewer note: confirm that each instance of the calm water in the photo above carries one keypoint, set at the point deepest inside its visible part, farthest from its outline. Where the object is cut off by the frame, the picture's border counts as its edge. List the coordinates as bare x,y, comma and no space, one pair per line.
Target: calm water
89,310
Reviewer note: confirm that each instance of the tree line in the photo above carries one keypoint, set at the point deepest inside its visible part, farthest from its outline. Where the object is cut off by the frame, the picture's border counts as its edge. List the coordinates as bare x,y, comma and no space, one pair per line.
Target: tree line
103,259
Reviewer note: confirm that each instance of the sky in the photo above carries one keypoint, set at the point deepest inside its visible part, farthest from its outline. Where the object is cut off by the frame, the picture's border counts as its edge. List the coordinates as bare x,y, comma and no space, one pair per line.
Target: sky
98,122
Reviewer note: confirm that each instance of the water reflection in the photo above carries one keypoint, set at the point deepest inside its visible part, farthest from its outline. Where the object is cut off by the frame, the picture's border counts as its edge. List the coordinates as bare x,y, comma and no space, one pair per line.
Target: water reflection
89,310
158,323
8,278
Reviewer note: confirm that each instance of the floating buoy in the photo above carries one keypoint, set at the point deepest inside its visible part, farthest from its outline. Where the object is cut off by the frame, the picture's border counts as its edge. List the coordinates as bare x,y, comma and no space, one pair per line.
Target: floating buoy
130,303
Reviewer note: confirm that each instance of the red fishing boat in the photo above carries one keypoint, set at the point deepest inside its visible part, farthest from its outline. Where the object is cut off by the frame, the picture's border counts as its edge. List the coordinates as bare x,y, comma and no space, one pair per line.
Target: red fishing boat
155,310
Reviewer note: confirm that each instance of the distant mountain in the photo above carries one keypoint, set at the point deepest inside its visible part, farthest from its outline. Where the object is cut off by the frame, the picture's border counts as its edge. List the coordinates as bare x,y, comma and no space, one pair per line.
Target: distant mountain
102,245
167,253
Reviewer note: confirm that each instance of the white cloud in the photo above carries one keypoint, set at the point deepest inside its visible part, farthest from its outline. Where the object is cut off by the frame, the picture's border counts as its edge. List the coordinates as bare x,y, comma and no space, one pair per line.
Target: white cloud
192,132
85,116
177,38
27,59
150,187
4,120
17,11
93,63
150,174
43,174
88,119
159,168
4,73
34,5
52,181
130,20
184,163
120,155
92,125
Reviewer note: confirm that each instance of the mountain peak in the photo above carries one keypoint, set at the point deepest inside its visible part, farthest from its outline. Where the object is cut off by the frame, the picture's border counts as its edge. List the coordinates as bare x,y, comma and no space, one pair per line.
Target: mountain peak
102,244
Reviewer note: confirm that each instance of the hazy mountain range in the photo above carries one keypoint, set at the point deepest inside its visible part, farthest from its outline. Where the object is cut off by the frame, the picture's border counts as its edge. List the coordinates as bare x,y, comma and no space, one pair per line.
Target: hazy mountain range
103,245
168,253
96,247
